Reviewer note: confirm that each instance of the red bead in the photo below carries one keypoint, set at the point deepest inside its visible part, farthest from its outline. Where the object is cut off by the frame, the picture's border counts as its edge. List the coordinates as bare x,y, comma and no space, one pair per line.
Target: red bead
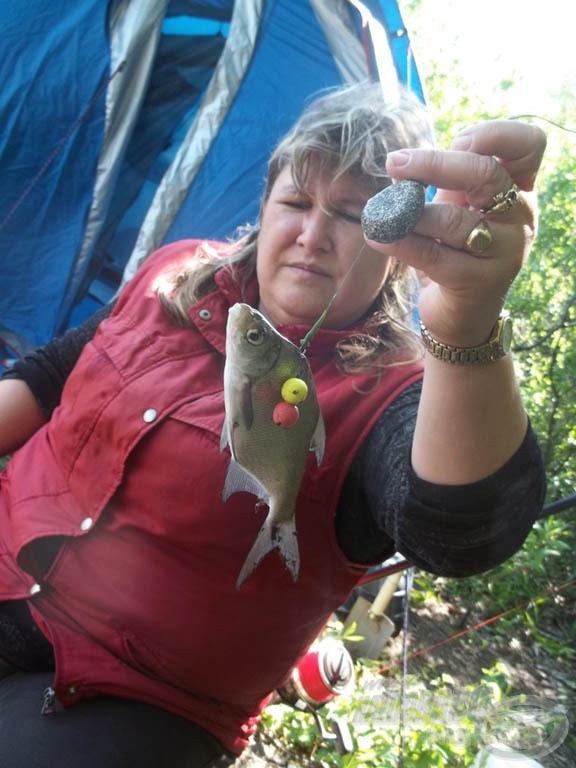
285,414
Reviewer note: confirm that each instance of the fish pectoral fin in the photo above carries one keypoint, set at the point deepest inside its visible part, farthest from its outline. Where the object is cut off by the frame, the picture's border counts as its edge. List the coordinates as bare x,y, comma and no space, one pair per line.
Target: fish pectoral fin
246,407
280,536
239,479
318,442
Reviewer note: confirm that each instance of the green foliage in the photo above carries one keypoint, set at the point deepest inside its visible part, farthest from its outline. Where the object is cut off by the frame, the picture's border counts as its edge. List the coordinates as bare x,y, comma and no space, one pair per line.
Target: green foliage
523,589
442,725
543,299
543,304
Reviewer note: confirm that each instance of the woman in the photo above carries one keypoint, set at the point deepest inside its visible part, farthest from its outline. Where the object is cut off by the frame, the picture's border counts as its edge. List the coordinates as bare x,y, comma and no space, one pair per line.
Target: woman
119,557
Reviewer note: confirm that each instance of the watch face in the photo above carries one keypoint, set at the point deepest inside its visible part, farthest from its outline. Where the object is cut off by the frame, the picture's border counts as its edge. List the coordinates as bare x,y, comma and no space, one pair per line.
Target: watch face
506,334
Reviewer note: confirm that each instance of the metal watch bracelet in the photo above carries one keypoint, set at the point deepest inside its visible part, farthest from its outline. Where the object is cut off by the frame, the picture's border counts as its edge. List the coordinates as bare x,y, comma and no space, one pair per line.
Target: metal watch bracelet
497,346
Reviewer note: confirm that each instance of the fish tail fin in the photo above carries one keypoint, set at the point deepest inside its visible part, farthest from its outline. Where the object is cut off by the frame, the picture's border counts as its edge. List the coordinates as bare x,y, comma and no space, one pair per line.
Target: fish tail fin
280,536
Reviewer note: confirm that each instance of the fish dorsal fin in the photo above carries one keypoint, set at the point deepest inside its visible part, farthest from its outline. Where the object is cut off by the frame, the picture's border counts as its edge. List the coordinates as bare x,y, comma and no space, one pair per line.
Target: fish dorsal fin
238,479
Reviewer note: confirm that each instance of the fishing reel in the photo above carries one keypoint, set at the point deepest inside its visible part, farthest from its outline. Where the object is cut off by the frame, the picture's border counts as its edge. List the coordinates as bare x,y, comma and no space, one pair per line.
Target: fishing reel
325,672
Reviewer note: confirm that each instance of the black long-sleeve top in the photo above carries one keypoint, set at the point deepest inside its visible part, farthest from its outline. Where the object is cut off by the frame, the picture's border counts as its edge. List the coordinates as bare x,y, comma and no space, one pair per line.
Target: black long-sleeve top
448,530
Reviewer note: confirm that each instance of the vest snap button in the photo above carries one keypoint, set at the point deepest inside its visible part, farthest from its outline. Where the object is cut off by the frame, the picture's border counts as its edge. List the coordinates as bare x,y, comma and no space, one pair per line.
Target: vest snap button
34,589
86,524
205,314
149,415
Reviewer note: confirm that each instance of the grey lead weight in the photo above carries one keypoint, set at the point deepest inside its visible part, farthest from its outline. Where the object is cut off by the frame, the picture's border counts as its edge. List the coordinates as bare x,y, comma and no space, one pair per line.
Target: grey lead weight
394,211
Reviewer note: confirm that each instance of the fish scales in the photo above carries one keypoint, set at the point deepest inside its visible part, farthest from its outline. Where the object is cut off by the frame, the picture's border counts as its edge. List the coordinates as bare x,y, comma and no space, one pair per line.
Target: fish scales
268,460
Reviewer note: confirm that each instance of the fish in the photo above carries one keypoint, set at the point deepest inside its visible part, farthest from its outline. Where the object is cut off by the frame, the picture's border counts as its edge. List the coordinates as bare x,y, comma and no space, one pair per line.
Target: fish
268,459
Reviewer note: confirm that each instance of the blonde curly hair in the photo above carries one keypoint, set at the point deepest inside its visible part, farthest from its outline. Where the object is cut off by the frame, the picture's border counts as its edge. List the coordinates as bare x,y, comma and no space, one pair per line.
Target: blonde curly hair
348,130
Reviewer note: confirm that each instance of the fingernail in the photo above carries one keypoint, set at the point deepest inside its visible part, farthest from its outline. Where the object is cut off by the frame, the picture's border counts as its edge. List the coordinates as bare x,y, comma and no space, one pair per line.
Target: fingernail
462,142
398,159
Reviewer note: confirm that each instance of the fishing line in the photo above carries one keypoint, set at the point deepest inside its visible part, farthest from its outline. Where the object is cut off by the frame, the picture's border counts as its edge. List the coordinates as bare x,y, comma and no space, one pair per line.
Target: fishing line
553,590
403,697
312,332
546,120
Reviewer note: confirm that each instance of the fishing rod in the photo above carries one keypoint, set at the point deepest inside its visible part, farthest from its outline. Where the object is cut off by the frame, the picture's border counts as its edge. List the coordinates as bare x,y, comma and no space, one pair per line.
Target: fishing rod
562,505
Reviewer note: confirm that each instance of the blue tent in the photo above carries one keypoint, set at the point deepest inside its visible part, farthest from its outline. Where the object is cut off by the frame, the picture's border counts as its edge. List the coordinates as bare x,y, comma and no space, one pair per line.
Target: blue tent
130,123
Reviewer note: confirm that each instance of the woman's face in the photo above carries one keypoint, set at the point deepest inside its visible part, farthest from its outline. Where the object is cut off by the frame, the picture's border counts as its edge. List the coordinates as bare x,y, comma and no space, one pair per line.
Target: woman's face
306,244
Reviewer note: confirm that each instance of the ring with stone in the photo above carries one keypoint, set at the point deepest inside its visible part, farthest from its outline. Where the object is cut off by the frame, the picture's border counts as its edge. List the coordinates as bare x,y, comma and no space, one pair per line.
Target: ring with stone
503,201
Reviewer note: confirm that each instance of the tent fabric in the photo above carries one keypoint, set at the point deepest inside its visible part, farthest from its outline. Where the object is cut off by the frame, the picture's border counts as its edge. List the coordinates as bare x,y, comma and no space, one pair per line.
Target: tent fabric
48,151
131,123
134,31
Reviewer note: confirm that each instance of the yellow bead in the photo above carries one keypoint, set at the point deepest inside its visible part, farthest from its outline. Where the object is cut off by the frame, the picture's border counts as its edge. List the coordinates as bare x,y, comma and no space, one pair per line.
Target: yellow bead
294,391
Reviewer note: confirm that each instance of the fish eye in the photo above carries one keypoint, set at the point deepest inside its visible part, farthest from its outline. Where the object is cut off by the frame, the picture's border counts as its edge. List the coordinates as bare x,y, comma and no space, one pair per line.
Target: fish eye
255,336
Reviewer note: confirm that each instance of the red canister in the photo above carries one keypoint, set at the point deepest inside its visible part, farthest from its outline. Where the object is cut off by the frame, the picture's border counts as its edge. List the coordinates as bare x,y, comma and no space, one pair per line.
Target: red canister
326,671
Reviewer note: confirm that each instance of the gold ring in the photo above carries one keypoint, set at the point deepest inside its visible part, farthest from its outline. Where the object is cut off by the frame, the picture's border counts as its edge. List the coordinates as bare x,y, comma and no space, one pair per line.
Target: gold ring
480,239
503,201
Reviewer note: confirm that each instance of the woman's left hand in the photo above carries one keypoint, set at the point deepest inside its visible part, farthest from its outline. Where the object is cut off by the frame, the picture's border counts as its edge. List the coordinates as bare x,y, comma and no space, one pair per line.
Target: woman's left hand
463,291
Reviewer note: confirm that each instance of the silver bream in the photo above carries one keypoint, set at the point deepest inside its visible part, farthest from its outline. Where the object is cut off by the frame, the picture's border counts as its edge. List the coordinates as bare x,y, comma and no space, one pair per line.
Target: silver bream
268,460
